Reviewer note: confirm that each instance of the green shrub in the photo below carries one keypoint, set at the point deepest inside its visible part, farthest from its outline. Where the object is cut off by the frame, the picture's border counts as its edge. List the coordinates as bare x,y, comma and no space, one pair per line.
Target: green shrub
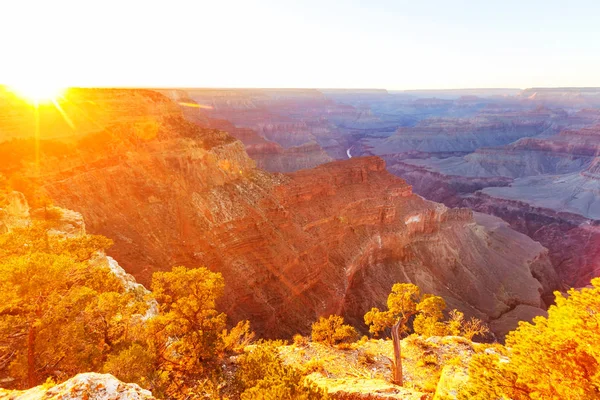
262,374
135,364
332,331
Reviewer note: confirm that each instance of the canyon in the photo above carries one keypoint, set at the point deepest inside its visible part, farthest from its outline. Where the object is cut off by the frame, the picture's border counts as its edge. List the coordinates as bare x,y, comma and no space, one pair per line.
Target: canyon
546,187
527,156
291,247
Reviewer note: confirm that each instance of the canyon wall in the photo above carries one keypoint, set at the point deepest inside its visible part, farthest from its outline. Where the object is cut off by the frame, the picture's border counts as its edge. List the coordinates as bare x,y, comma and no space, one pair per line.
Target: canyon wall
520,158
291,248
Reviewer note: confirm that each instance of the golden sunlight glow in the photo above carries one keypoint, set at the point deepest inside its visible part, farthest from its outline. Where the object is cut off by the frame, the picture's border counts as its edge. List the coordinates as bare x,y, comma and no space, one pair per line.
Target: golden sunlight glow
183,103
37,92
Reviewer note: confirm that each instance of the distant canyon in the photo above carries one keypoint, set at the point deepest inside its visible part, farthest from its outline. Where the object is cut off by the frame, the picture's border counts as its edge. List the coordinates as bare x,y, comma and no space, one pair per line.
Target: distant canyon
528,156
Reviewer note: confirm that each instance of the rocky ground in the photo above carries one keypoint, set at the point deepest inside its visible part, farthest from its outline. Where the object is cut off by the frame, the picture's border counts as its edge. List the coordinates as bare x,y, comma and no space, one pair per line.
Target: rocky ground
90,386
433,368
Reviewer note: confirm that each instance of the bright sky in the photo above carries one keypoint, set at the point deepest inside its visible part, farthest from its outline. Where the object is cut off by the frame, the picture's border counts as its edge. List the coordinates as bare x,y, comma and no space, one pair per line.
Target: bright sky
412,44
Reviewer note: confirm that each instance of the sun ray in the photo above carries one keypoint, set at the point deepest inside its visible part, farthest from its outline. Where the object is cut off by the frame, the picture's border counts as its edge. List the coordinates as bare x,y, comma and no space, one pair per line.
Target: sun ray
63,113
36,116
81,112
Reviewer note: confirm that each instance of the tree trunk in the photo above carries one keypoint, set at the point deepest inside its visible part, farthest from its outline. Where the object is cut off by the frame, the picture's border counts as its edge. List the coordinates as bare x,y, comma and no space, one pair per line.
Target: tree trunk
397,370
31,380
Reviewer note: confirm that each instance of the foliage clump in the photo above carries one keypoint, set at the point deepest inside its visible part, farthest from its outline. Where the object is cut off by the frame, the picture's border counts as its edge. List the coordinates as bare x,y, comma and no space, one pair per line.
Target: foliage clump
557,357
59,314
404,302
62,312
300,341
262,375
189,338
332,331
457,326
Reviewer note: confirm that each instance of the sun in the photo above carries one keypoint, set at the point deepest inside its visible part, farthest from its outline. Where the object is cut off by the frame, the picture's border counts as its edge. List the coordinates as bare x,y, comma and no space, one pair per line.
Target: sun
37,92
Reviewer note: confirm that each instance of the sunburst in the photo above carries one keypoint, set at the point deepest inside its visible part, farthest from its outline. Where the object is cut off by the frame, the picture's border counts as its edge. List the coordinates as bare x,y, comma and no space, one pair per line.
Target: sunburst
37,92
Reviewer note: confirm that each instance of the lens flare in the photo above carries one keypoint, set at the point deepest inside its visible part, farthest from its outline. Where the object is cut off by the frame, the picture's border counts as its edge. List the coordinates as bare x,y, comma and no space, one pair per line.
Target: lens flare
37,92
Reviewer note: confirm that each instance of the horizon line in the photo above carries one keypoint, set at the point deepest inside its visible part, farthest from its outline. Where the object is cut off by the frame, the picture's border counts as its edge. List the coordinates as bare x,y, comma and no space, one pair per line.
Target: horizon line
183,87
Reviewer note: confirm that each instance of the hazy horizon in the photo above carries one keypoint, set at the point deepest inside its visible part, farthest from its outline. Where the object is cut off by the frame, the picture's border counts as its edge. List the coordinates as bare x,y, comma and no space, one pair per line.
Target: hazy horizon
433,89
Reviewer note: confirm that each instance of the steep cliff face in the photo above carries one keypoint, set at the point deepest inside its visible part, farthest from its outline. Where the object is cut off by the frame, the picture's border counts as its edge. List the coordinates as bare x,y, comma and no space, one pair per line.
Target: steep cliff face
439,135
289,117
321,241
562,212
273,158
573,242
437,186
568,152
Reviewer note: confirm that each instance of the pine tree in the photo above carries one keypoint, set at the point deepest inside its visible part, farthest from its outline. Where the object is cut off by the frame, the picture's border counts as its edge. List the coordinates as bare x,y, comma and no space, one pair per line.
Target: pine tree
59,314
187,335
404,302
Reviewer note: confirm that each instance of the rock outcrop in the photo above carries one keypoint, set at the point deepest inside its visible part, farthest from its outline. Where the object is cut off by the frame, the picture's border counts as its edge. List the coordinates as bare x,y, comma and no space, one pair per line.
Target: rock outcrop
80,111
90,386
15,213
329,240
531,149
433,368
573,241
66,223
273,158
